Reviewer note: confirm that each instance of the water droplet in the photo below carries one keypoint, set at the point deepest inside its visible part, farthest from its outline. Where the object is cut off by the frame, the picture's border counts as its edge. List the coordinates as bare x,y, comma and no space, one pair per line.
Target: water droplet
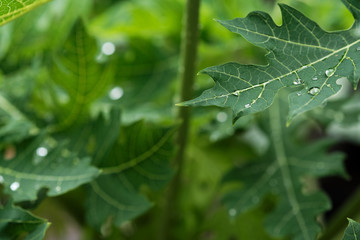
1,179
314,78
116,93
42,151
328,85
247,105
358,49
14,186
297,81
314,90
232,212
298,93
329,72
303,67
58,188
222,116
108,48
236,93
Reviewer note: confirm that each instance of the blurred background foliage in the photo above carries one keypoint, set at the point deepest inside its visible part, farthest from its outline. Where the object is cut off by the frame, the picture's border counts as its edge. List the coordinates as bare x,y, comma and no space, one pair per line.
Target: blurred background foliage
143,70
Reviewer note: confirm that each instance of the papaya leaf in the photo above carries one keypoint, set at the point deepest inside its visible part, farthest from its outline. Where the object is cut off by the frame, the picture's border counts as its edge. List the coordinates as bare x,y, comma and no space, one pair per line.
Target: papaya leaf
15,222
352,231
82,77
42,162
286,171
10,9
300,54
139,157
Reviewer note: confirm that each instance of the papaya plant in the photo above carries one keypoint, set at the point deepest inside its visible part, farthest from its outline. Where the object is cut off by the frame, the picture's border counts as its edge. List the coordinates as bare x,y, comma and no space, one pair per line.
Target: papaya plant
98,139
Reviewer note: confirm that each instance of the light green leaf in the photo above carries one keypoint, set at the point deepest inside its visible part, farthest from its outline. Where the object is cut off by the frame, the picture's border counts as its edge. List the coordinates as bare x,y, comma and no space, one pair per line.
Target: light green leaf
42,162
15,222
301,55
82,77
352,231
286,171
11,9
140,157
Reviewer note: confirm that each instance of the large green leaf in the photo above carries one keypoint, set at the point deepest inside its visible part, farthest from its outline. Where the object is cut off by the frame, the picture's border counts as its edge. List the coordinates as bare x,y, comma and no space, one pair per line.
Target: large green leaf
16,223
140,157
11,9
300,54
42,162
79,74
286,171
352,231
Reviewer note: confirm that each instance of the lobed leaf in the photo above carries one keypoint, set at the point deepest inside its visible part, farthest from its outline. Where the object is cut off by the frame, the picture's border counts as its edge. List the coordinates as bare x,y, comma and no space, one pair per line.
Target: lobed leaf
352,231
300,54
79,74
10,9
15,222
42,162
284,172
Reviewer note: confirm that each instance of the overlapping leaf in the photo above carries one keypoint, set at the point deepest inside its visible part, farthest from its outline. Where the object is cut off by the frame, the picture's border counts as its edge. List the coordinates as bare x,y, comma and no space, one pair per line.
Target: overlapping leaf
11,9
352,231
284,171
42,162
300,54
77,71
140,157
15,223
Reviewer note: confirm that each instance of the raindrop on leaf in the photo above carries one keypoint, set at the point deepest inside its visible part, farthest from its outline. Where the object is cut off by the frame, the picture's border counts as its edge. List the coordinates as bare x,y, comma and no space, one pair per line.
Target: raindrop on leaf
297,81
116,93
329,72
14,186
247,105
315,90
42,151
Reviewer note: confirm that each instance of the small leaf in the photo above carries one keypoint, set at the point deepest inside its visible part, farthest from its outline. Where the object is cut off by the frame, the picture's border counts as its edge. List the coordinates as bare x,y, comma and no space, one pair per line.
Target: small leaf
352,231
140,157
15,222
10,9
77,71
284,171
42,162
301,55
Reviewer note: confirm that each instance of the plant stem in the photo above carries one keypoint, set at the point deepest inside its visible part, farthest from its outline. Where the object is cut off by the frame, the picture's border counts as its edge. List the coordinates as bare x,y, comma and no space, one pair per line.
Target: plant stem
187,75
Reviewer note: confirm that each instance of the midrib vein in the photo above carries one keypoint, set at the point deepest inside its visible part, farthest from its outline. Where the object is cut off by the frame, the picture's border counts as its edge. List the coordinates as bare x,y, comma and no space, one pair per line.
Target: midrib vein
276,134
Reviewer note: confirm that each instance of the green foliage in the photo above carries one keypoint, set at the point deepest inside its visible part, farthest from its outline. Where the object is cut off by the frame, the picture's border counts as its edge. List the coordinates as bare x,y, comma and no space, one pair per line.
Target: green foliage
352,232
87,119
10,10
16,223
300,54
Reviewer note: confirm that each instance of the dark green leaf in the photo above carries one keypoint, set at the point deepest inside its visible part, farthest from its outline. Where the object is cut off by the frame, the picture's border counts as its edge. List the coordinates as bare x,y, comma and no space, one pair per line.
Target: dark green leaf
286,171
352,231
300,54
42,162
16,223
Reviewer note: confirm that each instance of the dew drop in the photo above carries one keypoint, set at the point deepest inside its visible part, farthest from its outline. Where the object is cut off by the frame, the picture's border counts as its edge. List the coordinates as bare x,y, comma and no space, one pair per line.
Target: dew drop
236,93
314,90
247,105
58,188
1,179
42,151
222,116
329,72
303,67
232,212
299,94
14,186
297,81
314,78
116,93
108,48
358,49
328,85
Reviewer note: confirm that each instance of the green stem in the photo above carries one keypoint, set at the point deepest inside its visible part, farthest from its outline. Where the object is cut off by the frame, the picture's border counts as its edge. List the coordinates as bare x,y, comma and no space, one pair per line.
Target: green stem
187,75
